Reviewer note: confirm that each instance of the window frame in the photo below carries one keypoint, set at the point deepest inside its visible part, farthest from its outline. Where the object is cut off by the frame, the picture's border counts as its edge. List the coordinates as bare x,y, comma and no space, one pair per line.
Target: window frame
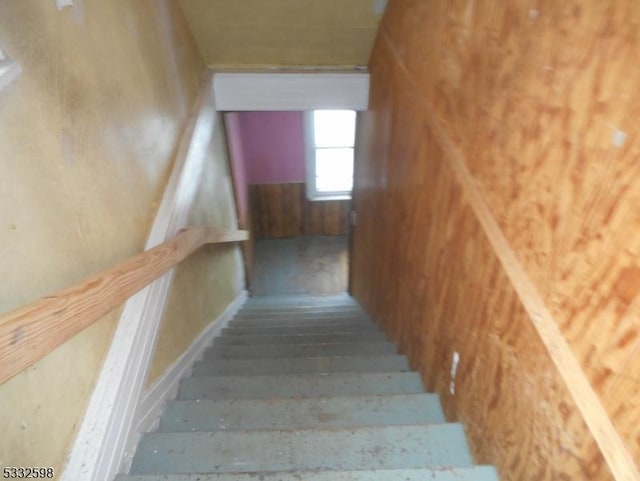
310,162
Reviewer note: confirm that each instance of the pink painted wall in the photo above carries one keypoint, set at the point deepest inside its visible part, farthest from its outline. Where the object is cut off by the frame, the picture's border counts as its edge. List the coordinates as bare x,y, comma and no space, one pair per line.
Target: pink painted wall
238,163
273,144
265,148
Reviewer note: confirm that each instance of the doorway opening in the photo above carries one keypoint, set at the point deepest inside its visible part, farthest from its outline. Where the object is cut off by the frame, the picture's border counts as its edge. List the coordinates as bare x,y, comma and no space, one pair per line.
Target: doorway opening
294,196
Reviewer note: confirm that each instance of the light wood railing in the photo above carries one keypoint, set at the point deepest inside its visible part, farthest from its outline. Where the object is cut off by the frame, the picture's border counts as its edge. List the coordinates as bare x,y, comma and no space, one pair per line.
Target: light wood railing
30,332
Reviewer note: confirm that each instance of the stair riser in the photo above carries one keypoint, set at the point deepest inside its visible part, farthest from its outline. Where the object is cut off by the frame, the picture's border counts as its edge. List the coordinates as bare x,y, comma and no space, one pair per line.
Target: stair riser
293,331
321,314
269,451
303,310
301,301
318,365
240,317
302,386
287,323
299,350
339,412
304,320
300,339
311,309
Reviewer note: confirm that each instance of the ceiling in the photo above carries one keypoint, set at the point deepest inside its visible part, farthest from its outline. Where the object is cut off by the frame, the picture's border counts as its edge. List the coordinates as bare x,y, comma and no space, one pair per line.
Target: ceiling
254,33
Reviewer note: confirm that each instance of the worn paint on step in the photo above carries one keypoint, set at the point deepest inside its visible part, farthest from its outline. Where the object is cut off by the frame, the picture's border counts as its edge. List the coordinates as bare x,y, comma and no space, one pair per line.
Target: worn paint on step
300,350
292,330
336,412
310,365
475,473
264,451
339,337
295,385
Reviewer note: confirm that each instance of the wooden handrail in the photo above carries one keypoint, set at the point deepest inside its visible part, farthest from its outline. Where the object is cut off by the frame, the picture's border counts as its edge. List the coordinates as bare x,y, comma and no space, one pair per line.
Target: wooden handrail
30,332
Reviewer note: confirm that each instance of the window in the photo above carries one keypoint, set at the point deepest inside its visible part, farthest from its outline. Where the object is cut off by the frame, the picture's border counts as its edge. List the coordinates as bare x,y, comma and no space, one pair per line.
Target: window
330,147
9,70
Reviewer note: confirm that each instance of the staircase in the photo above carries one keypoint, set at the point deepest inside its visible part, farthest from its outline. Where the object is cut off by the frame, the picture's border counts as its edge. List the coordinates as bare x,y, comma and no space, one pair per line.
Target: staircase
303,388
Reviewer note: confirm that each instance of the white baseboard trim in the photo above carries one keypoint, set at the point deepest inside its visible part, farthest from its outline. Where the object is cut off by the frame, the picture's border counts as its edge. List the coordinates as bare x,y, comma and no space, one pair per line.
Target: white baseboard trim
166,388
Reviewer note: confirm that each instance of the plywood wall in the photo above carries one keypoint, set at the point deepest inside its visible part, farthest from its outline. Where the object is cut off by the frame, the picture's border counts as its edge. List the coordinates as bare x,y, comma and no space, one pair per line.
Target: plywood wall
283,210
506,131
87,140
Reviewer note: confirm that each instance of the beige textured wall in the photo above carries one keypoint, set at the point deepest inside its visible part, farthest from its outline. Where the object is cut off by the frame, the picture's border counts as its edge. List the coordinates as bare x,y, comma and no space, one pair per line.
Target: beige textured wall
283,32
87,139
207,281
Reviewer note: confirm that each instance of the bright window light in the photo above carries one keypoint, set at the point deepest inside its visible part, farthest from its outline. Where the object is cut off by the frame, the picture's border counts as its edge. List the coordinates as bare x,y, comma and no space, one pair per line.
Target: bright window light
330,149
334,169
334,128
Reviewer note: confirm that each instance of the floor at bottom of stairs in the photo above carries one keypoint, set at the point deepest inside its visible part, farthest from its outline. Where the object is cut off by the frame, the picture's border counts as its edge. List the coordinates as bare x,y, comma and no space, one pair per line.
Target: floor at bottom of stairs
304,388
312,265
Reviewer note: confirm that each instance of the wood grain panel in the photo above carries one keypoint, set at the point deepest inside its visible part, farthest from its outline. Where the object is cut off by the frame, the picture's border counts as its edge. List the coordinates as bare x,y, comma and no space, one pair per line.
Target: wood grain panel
545,87
544,90
283,210
480,72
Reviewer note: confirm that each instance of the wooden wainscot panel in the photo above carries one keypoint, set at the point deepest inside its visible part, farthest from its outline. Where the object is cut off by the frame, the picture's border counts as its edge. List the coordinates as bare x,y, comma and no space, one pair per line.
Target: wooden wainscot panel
283,210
